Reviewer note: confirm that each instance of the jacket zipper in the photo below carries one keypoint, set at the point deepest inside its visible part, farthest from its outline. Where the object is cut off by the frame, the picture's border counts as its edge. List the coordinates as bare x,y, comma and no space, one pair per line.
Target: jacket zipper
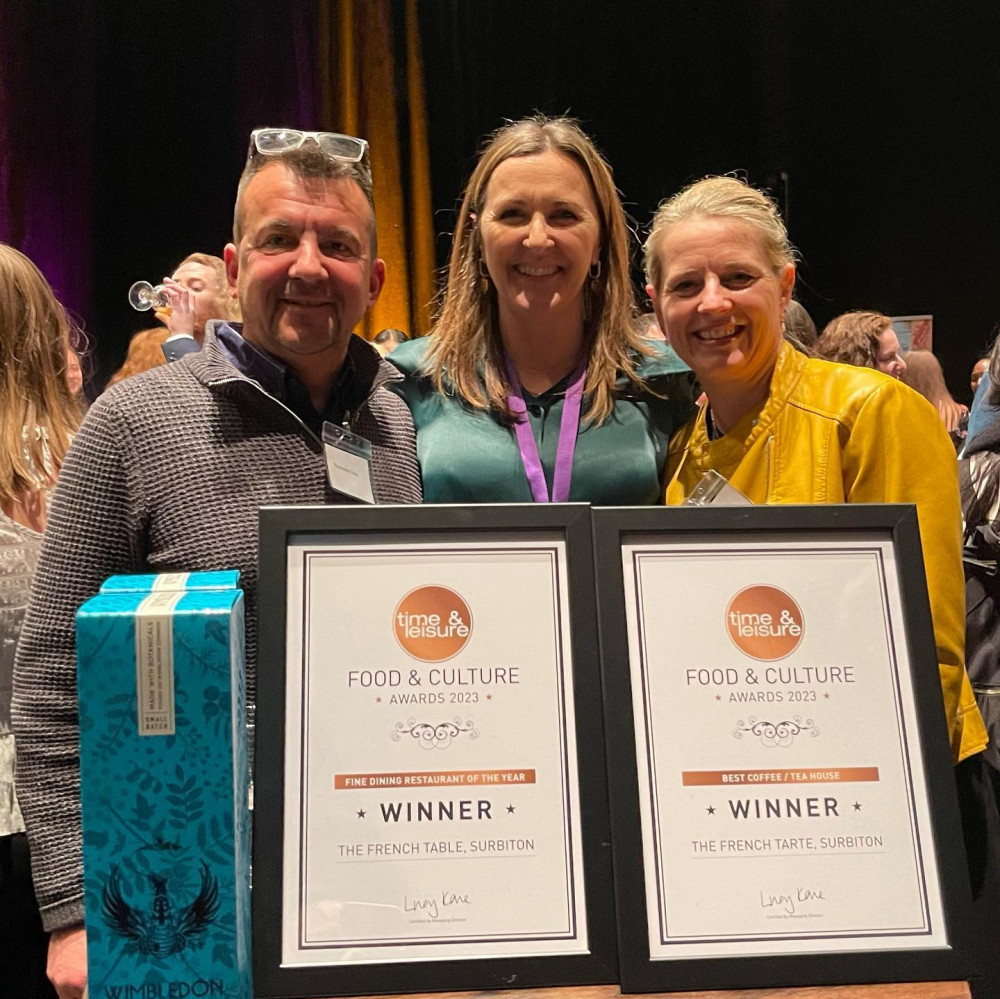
348,420
253,385
769,450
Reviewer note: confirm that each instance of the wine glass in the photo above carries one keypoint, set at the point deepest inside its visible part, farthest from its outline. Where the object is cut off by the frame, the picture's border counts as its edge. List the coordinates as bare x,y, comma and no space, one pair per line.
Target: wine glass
143,296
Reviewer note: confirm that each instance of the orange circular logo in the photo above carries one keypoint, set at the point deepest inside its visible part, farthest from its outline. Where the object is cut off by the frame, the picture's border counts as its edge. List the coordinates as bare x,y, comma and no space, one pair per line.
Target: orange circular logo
432,623
764,622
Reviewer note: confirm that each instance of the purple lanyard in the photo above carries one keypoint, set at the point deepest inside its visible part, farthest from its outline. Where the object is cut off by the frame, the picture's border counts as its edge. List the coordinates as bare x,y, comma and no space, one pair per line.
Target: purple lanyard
568,429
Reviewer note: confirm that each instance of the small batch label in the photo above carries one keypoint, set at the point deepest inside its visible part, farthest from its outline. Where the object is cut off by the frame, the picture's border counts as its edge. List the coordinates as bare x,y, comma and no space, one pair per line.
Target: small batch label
154,662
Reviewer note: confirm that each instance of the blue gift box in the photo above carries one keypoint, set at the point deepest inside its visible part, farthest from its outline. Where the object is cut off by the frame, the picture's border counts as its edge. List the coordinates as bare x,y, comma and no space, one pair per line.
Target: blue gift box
163,774
222,579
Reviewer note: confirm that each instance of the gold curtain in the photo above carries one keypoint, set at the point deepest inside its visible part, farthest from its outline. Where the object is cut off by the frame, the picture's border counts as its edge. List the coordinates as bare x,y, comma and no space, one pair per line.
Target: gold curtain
359,80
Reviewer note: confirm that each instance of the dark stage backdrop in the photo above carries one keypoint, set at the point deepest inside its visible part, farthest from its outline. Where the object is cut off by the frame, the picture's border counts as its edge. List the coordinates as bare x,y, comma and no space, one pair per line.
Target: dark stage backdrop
876,124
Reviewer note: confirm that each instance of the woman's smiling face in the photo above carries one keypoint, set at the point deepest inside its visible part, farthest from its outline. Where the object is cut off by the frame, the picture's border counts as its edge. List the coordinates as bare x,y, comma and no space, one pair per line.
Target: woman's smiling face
540,233
721,303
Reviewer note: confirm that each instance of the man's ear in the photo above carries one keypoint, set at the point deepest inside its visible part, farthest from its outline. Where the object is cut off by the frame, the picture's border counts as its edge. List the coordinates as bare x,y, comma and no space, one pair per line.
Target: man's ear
376,281
232,258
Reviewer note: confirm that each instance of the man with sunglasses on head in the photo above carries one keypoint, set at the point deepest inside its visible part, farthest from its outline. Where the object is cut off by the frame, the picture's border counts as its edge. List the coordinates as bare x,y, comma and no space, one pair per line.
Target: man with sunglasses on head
170,467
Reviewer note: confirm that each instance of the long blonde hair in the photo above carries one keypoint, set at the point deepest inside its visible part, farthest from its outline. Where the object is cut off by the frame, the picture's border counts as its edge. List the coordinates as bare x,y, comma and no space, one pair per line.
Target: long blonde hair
466,354
34,339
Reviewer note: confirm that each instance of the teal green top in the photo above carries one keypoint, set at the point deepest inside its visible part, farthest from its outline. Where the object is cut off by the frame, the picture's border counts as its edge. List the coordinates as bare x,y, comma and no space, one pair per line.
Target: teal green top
469,456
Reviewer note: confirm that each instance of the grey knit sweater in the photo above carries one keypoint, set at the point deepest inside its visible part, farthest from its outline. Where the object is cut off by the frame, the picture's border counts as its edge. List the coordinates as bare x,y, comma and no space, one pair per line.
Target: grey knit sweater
166,474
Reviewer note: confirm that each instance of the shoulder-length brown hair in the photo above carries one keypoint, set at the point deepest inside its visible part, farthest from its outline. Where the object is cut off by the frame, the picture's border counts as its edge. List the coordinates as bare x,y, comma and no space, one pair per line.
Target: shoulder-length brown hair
924,375
852,338
466,354
34,392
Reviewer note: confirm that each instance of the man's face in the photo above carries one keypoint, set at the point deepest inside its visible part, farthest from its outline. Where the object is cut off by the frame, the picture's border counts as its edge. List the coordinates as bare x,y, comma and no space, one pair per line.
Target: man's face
978,370
209,296
303,268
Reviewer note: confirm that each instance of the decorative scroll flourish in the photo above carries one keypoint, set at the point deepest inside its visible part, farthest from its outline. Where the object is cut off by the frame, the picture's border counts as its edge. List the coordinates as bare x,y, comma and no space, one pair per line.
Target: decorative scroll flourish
773,734
438,736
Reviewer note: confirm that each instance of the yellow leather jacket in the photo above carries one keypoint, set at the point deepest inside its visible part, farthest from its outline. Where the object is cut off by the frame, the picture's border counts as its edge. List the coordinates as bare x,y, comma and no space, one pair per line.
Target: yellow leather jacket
832,433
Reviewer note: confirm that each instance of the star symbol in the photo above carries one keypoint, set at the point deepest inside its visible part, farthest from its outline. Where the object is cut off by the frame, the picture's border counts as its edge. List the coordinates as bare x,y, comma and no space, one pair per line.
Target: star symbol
718,697
710,809
827,695
378,700
857,806
361,813
510,809
489,697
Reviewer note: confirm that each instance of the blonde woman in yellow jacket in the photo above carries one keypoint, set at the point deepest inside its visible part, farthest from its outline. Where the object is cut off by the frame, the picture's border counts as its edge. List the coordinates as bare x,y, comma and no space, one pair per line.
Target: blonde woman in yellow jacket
784,428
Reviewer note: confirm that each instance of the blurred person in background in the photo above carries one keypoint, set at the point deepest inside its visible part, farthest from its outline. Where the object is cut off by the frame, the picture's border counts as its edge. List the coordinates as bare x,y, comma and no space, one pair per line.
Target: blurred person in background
978,370
79,366
145,351
982,413
39,416
924,375
864,339
387,340
196,292
979,478
538,381
74,374
800,330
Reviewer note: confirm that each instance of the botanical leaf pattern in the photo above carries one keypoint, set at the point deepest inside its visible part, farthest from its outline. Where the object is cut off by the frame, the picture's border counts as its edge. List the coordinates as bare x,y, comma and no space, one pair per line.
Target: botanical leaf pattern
158,810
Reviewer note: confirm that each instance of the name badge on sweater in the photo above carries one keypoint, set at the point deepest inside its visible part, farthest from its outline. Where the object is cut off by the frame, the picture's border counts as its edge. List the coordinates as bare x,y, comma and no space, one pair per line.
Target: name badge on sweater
348,462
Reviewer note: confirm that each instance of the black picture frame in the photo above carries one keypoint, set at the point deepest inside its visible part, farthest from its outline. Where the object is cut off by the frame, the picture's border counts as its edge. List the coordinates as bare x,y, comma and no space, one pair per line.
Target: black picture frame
278,526
612,528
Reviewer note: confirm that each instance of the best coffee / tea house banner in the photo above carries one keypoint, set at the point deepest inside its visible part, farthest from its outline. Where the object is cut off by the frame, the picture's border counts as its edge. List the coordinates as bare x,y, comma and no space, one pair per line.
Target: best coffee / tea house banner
785,812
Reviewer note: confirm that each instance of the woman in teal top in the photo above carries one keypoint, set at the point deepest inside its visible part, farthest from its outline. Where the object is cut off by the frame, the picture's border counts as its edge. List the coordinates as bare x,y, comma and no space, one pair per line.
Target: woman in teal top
468,456
535,382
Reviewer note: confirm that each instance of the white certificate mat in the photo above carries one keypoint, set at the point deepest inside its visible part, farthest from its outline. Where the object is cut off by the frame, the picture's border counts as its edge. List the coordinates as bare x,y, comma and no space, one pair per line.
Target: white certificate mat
430,804
781,786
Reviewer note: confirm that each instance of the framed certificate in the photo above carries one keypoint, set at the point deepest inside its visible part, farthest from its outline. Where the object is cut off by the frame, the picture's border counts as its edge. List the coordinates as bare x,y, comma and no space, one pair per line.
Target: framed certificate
431,796
783,807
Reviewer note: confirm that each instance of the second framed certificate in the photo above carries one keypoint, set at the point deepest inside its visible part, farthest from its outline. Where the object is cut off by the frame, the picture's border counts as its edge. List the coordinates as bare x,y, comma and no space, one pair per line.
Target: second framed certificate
783,806
430,806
